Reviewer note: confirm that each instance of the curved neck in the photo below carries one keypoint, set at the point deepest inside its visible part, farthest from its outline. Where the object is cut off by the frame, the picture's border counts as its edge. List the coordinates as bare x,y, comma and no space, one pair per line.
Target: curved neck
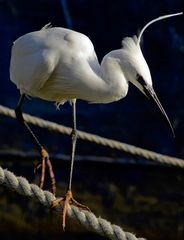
106,82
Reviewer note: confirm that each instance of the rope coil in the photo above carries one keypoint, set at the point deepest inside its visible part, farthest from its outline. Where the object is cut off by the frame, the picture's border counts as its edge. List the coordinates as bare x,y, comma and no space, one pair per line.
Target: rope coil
87,219
150,155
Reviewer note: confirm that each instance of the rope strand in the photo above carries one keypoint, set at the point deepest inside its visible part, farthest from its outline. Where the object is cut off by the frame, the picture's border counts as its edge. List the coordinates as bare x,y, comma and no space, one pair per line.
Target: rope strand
149,155
87,219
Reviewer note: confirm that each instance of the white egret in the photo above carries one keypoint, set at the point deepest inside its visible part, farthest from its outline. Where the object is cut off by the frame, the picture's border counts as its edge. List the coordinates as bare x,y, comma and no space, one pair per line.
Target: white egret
58,64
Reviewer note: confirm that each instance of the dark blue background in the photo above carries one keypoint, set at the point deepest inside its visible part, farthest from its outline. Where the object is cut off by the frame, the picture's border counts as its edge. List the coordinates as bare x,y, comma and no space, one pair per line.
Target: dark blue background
134,119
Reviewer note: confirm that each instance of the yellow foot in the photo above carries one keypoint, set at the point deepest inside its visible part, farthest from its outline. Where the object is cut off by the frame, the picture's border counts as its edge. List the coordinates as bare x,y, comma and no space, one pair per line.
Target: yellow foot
66,200
46,163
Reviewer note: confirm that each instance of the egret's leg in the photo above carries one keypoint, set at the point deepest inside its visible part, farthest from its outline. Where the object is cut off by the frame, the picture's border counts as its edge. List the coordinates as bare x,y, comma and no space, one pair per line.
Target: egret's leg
40,148
74,140
68,198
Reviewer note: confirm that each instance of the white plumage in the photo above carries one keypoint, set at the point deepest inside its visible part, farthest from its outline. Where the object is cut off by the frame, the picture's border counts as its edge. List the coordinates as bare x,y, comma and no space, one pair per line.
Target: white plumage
58,64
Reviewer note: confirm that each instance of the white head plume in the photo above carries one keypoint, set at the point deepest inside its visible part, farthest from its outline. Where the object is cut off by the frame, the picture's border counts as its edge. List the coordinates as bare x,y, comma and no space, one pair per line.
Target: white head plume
135,63
155,20
136,68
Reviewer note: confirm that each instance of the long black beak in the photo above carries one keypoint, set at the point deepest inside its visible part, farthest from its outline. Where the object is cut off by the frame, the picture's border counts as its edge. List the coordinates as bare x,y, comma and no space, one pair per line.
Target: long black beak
150,93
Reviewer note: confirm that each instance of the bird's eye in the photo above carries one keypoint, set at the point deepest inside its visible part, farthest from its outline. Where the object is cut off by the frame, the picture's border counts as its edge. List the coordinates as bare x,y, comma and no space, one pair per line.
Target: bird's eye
140,79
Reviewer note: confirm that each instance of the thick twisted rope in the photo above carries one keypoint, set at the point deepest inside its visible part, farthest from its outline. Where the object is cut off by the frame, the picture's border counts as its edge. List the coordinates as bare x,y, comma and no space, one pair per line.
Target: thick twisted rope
87,219
150,155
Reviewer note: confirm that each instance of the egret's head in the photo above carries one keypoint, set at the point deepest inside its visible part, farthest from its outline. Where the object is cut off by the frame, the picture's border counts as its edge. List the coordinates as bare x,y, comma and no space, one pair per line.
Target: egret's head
134,65
136,69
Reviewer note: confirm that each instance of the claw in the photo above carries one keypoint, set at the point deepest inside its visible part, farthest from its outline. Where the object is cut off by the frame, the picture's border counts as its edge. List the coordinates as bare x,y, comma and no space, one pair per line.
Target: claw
65,201
56,202
42,176
46,163
52,177
37,165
